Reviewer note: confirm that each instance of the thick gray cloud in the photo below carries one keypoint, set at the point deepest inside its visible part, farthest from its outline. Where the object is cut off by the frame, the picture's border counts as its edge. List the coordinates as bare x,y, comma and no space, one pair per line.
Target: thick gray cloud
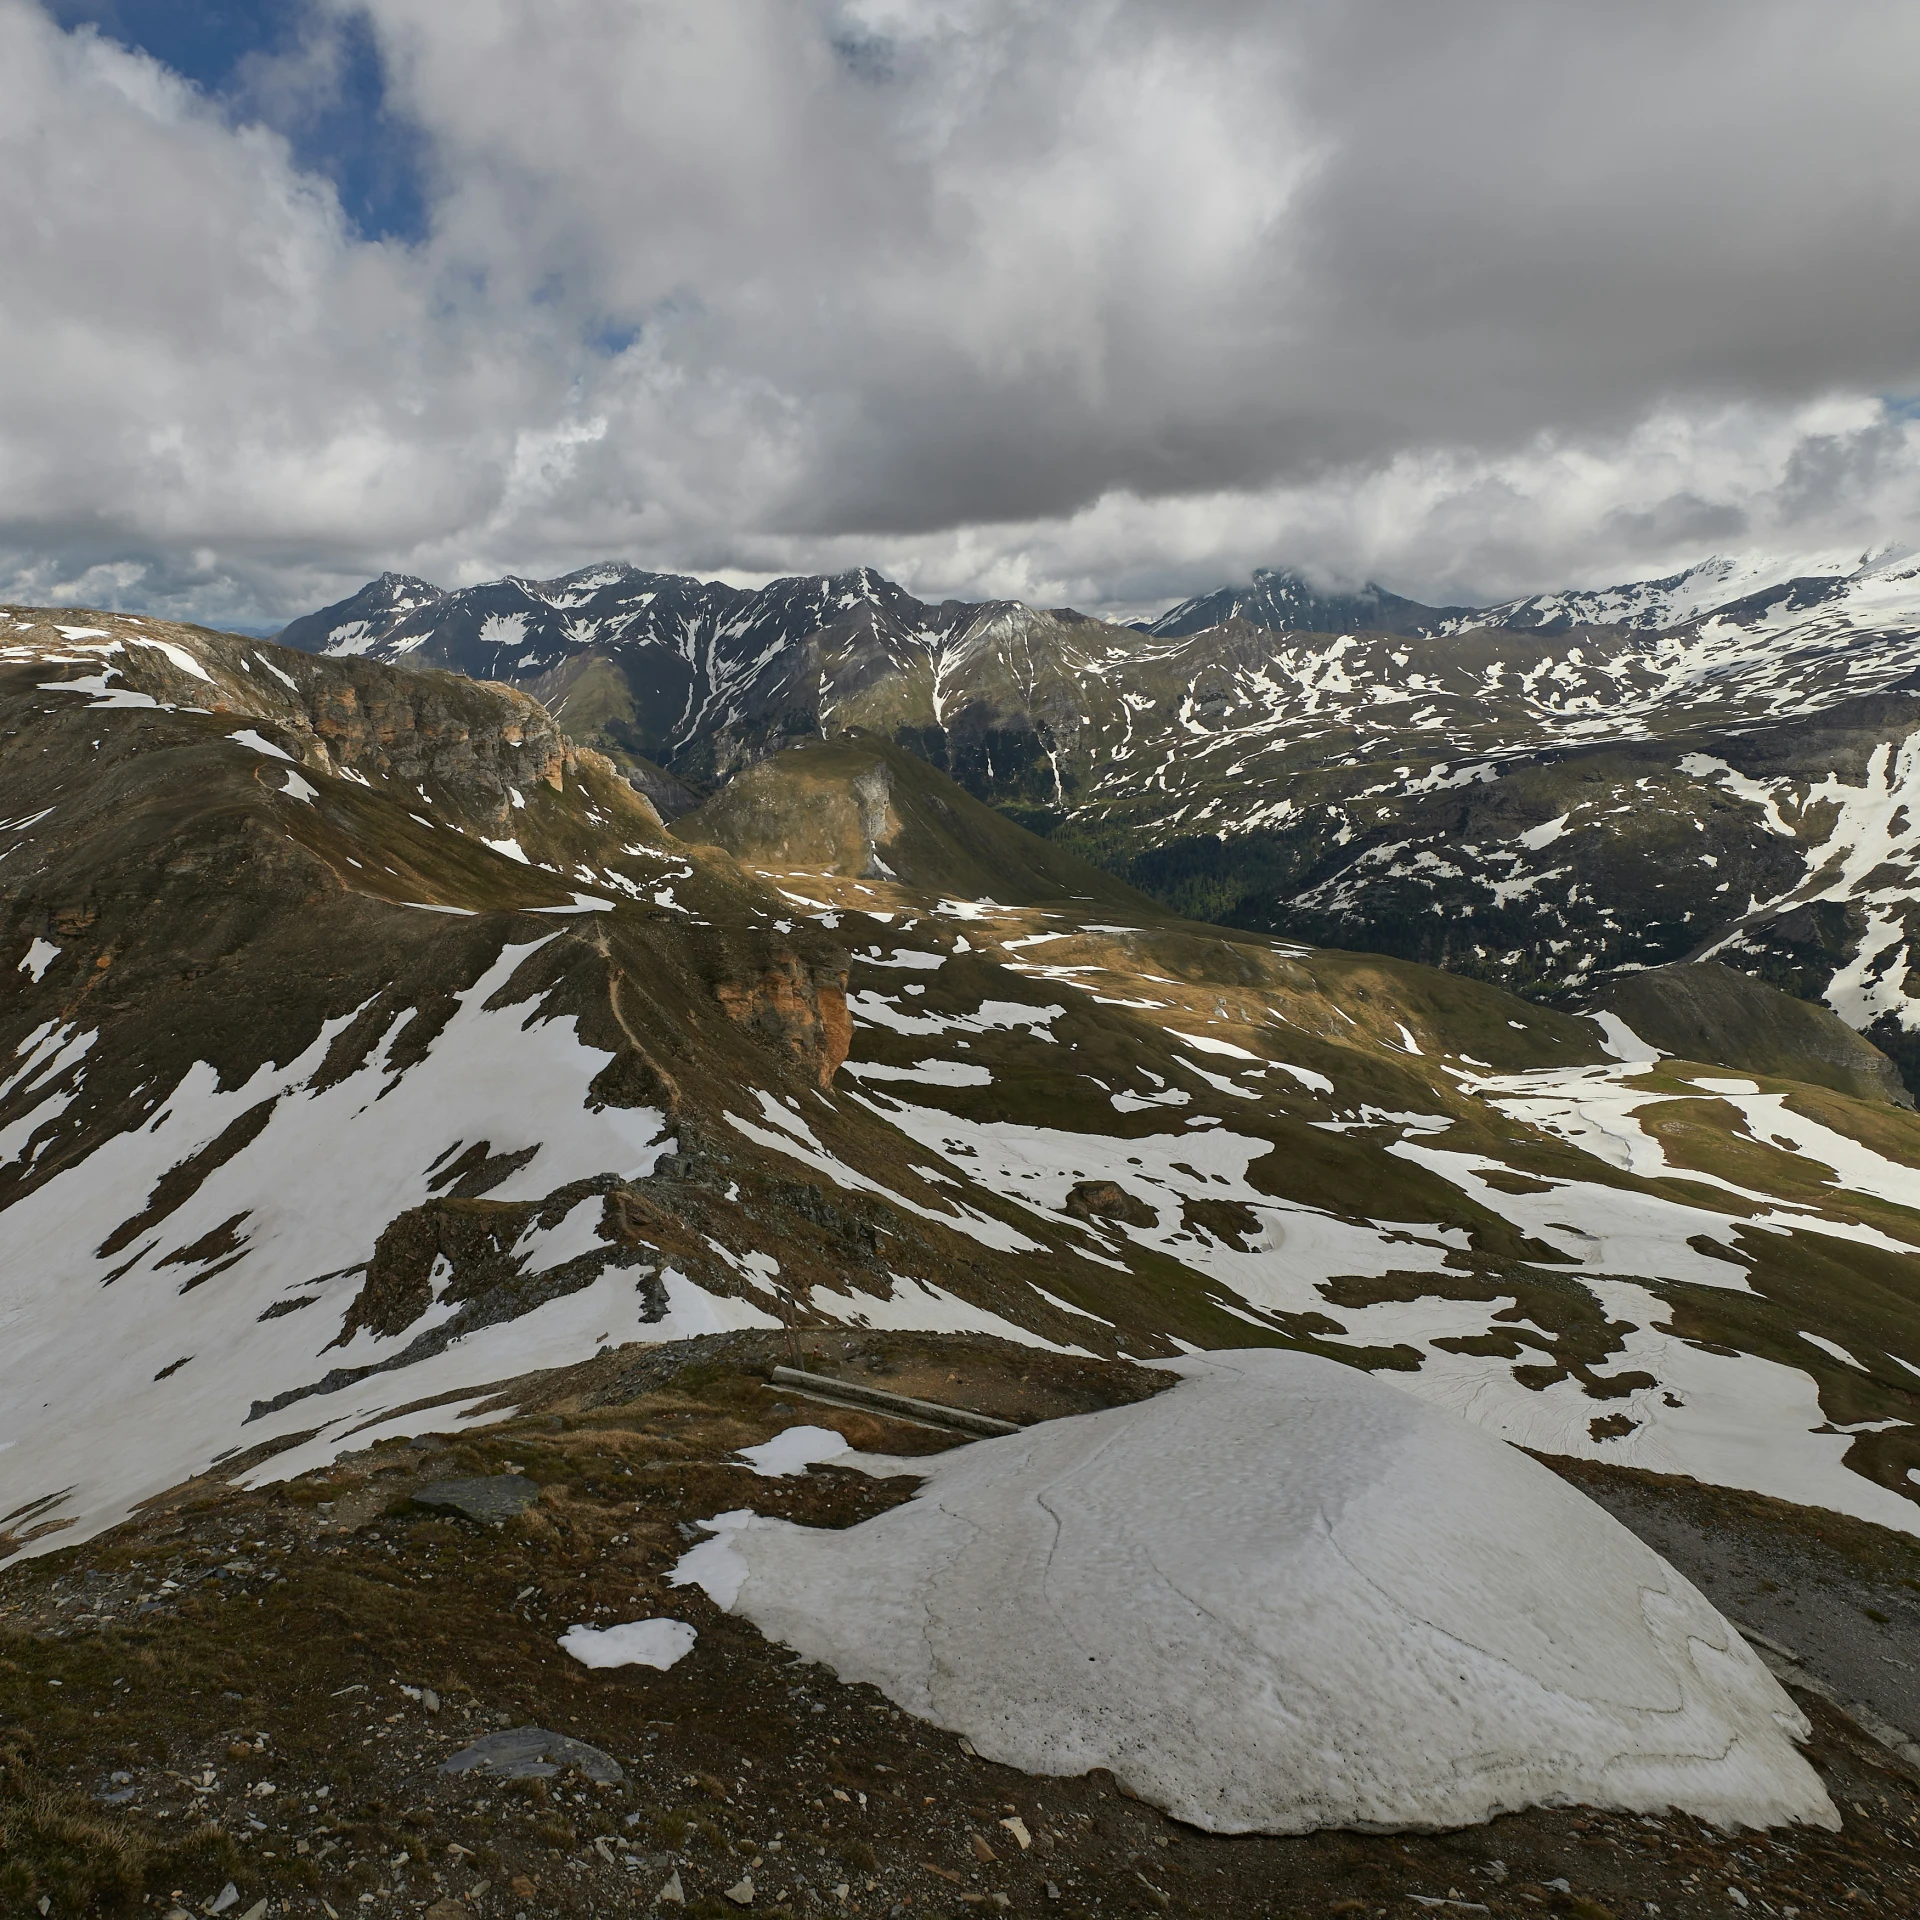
1097,303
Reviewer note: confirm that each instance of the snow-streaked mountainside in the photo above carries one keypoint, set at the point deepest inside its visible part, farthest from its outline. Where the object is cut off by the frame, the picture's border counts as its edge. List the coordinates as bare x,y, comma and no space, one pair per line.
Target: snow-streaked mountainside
694,674
1546,793
365,1044
1723,582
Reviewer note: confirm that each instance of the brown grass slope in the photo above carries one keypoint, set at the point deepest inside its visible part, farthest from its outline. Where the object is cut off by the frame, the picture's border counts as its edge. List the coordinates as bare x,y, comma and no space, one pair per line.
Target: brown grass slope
860,806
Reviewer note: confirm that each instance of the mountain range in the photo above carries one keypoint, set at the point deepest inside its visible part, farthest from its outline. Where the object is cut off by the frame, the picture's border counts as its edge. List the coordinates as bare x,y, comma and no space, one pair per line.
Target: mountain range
1552,793
429,1177
842,1043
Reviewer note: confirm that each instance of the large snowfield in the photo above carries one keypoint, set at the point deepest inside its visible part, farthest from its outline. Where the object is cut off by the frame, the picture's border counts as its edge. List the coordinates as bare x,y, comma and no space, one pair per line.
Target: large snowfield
1279,1596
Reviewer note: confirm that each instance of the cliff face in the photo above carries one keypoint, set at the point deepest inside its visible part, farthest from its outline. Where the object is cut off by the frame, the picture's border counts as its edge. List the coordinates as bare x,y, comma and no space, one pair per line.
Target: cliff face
800,1008
418,729
354,717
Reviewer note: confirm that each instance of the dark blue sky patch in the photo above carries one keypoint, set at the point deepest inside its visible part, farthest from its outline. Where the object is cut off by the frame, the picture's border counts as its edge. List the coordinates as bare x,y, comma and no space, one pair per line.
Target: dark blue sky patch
612,338
203,40
344,128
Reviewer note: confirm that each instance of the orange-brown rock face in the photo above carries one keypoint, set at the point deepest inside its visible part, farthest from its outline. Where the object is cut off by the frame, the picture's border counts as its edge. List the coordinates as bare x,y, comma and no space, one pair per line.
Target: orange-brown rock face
424,731
801,1009
836,1025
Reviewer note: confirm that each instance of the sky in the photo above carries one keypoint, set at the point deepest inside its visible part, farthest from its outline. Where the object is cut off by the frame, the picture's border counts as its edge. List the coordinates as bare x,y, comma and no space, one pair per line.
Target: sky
1096,305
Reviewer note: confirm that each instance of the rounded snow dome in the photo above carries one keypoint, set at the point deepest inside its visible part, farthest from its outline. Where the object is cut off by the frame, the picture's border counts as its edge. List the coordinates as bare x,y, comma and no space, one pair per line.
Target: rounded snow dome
1284,1595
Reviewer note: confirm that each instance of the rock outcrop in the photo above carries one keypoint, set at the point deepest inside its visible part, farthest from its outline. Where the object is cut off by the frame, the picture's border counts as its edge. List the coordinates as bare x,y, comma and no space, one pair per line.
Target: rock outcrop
799,1008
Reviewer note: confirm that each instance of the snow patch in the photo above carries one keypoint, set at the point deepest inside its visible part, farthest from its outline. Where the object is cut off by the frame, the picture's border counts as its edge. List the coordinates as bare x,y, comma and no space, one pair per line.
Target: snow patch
793,1451
1208,1044
38,958
928,1073
246,737
1834,1349
1618,1041
1283,1596
180,657
634,1643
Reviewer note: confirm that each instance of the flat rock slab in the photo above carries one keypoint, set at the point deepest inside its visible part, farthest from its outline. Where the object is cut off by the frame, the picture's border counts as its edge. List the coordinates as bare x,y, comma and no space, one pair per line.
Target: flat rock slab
491,1497
532,1753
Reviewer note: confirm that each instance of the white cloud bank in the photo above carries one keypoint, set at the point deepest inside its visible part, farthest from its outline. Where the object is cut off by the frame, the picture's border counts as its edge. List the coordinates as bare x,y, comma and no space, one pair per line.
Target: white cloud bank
1094,304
